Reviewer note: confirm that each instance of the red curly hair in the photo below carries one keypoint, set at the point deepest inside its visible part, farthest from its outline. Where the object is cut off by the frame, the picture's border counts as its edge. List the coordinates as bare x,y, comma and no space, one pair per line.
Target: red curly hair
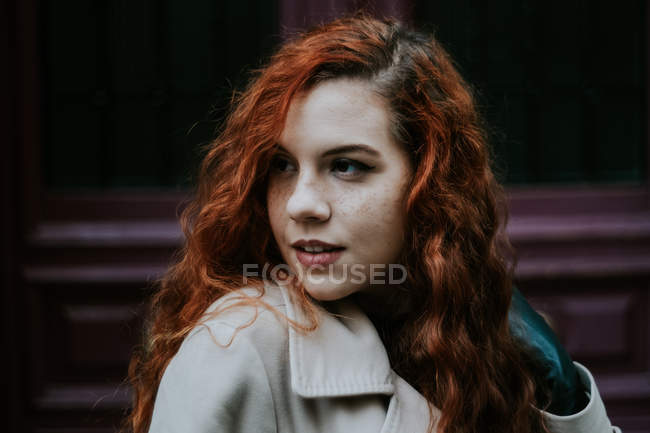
453,345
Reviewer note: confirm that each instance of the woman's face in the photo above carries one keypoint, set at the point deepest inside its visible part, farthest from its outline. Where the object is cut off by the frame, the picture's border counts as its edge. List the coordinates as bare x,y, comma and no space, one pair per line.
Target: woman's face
339,181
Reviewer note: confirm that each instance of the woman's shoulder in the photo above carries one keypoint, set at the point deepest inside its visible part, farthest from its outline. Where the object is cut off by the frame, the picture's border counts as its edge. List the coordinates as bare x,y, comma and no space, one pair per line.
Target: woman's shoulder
238,347
250,313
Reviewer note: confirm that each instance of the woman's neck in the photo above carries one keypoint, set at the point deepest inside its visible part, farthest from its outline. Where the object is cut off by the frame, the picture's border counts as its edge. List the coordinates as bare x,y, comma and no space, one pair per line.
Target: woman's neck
385,304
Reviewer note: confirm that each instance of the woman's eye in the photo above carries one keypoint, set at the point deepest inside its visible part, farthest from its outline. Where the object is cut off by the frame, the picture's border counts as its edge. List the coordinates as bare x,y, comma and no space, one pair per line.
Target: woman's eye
350,167
282,164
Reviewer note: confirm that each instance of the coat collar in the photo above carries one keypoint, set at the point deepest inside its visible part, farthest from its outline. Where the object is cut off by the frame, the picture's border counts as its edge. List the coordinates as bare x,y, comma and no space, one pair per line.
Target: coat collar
344,356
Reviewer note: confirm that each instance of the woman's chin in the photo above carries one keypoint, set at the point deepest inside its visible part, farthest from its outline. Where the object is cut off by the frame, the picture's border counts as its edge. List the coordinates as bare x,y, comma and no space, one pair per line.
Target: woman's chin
328,291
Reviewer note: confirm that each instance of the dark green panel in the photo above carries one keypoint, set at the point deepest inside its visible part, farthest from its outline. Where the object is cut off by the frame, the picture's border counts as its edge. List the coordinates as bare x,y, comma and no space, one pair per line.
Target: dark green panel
135,150
501,54
72,40
512,149
617,156
559,38
560,126
187,129
240,40
616,44
131,43
76,159
192,52
147,80
563,86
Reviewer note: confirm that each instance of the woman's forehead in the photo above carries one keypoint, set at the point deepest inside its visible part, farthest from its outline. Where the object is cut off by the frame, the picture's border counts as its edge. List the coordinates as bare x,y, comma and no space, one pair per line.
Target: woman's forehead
335,112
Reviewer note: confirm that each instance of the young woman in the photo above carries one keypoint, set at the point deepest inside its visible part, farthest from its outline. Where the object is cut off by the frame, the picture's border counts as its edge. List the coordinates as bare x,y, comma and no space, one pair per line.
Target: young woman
345,267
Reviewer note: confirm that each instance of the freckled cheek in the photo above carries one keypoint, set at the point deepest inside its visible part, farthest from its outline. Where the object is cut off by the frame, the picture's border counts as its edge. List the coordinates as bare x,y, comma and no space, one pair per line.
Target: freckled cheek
366,220
383,224
276,200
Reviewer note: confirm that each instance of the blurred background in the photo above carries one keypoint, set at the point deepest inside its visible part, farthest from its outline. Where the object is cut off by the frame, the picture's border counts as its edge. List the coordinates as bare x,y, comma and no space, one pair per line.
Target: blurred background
105,103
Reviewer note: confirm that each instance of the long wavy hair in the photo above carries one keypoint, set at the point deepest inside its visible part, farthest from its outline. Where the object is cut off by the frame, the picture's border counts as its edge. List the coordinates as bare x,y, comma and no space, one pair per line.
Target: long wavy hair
453,345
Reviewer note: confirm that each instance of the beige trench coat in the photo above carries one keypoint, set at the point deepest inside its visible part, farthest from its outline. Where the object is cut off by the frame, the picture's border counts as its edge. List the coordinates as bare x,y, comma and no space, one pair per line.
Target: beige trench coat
273,379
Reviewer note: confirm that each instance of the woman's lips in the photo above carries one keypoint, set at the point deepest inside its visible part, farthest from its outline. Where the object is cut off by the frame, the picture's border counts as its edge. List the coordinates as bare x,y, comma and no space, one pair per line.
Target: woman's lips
323,258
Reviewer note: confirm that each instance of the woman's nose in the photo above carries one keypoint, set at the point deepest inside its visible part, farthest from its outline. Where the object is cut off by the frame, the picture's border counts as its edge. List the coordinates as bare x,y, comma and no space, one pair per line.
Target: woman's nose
307,203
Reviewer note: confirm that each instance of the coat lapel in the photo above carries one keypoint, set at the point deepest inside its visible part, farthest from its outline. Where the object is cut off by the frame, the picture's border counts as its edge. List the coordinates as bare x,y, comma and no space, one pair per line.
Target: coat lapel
345,356
408,411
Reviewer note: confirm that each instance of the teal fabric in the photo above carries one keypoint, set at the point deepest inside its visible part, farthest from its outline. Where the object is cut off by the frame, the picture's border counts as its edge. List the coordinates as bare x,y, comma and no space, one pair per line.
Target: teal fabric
557,370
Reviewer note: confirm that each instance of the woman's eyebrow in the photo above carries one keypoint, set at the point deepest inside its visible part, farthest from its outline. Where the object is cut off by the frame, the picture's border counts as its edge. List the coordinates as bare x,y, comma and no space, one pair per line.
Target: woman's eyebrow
351,148
340,149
